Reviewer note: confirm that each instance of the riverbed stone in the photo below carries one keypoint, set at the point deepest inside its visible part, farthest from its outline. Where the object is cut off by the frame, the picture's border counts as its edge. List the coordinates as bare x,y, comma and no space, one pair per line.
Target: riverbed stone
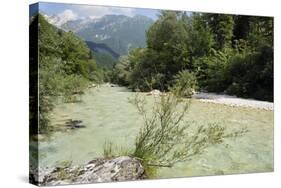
155,92
122,168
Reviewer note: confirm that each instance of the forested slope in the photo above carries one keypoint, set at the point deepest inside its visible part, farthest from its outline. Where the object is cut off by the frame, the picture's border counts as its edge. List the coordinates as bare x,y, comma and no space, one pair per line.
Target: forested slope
65,67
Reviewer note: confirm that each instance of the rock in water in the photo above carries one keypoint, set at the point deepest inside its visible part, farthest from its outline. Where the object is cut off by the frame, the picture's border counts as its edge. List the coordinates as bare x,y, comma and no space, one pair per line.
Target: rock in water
73,124
122,168
155,92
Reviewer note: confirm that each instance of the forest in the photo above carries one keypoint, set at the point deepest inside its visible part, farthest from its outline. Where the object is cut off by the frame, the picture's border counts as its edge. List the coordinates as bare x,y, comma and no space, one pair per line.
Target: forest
215,52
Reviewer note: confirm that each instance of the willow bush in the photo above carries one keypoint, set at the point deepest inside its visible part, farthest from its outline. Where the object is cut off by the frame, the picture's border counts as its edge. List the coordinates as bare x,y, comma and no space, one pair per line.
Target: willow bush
166,138
184,84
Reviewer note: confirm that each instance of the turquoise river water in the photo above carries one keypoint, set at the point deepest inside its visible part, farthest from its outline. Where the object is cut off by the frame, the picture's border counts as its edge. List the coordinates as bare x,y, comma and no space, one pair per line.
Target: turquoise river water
109,117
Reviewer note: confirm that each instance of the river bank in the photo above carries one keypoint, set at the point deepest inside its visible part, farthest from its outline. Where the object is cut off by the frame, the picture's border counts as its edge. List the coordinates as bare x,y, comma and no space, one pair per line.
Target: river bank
232,101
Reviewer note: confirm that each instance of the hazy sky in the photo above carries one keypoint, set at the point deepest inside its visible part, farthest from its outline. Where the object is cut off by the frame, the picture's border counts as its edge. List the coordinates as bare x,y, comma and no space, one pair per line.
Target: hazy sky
76,11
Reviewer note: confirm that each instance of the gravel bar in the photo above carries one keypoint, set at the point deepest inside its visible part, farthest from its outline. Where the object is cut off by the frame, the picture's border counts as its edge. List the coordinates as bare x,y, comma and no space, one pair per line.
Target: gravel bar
232,101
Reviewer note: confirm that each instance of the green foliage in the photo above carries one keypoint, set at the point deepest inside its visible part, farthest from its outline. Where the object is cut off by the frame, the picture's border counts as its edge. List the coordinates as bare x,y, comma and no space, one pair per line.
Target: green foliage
125,72
260,32
73,48
105,59
65,68
167,43
50,85
73,85
54,83
101,75
108,150
166,139
184,84
222,28
121,73
147,73
210,46
243,69
214,76
200,37
48,37
166,32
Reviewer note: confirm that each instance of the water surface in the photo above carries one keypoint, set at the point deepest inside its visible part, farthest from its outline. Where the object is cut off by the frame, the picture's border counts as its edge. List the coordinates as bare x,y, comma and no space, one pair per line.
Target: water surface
109,117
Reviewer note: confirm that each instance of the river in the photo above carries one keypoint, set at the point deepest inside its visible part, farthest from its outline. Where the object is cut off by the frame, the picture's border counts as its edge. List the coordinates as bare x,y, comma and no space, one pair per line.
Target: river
109,117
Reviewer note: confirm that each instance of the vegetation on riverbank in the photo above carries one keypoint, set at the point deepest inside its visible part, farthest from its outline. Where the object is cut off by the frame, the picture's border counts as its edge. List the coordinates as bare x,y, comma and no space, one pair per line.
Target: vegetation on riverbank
212,52
66,67
226,53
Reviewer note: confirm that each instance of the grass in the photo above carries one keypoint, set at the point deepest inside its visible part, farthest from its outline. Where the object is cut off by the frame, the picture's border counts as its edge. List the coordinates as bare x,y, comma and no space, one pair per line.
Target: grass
110,150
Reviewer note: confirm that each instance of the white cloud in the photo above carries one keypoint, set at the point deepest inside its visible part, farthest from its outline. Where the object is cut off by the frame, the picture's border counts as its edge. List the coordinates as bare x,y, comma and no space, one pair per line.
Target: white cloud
99,11
92,12
65,16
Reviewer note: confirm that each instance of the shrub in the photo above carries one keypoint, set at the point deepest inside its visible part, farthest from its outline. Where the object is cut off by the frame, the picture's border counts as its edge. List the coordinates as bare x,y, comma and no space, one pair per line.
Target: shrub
252,74
215,76
165,138
184,84
55,83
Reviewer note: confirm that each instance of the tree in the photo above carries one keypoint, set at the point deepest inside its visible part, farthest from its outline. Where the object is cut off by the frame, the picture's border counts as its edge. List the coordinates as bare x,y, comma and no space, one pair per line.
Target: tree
222,28
65,68
210,46
184,84
241,27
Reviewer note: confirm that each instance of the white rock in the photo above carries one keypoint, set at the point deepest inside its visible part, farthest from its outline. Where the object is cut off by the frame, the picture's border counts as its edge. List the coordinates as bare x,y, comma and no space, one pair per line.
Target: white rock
155,92
122,168
233,101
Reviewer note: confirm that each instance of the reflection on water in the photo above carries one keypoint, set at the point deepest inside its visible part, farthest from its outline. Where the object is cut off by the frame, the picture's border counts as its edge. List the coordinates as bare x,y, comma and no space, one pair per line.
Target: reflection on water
108,116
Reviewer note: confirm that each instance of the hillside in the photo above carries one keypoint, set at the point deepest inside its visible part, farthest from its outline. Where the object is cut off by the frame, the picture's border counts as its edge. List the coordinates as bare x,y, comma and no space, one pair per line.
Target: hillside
110,36
121,33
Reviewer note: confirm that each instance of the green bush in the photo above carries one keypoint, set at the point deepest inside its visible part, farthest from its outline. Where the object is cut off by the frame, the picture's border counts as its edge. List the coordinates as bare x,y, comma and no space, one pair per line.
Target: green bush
184,84
232,54
65,68
252,74
215,76
55,83
166,139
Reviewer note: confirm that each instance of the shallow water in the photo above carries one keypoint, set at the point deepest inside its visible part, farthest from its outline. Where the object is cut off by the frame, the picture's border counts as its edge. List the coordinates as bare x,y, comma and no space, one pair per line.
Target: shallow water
109,117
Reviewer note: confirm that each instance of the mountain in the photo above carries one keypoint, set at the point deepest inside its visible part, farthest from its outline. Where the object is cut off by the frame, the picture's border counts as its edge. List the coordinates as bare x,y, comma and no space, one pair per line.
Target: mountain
110,36
54,20
59,19
102,48
120,33
103,54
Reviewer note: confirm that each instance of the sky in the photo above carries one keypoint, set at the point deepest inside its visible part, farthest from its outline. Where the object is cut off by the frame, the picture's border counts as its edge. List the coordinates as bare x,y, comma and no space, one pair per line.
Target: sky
77,11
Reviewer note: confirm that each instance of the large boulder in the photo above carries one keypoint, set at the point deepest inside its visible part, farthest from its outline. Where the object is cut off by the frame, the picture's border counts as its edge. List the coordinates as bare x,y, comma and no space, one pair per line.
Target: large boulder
122,168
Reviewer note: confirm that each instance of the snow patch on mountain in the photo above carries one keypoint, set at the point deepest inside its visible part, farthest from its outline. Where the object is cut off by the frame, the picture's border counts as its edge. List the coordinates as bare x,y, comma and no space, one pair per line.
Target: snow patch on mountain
62,18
